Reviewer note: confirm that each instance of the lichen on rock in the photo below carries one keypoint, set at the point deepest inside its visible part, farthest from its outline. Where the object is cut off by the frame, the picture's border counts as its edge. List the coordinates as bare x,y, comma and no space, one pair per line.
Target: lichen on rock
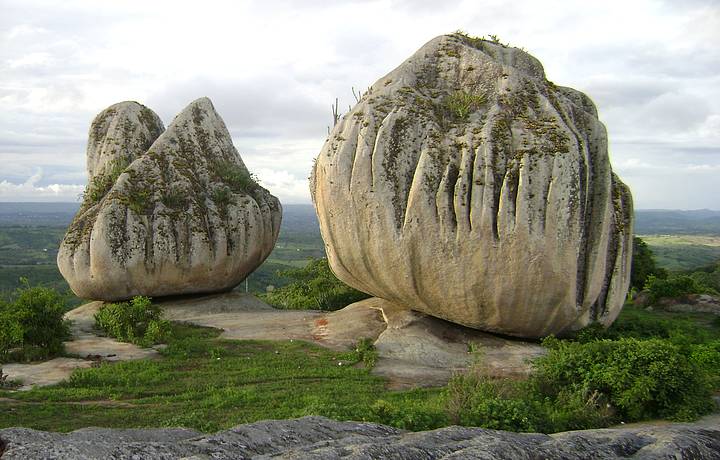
467,186
182,213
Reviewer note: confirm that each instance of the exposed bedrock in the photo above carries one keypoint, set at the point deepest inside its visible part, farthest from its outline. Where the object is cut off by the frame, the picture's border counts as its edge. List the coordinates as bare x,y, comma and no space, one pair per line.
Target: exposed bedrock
467,186
166,212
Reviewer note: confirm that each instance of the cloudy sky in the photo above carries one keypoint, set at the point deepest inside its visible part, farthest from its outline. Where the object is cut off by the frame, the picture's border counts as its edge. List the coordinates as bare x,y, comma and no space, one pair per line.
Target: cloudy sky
273,68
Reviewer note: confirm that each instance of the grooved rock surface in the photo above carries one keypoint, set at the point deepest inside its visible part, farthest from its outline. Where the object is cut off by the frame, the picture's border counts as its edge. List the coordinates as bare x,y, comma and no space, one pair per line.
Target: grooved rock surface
466,186
166,213
322,438
120,134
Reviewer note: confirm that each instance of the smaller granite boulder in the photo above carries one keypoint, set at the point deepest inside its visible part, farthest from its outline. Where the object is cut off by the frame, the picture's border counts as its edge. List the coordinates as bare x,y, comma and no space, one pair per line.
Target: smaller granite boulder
166,213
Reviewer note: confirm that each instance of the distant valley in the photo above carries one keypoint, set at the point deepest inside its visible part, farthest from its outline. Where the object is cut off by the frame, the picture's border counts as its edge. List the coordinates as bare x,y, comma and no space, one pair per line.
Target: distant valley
31,232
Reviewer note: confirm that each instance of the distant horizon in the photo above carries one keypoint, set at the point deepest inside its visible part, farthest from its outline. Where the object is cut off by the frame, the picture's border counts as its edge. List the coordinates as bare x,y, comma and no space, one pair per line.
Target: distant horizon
310,204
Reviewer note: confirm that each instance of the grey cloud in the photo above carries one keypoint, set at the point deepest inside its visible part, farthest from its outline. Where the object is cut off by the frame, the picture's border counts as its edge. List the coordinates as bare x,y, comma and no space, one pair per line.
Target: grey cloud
626,92
267,107
659,59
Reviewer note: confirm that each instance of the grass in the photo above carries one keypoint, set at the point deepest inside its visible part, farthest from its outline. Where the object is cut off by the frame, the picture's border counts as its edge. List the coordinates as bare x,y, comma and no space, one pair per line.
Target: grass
209,384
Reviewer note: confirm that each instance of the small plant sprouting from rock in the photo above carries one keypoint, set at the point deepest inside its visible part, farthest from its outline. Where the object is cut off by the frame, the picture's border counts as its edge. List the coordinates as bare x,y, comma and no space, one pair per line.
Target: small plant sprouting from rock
235,176
477,42
103,182
173,199
460,104
138,201
138,321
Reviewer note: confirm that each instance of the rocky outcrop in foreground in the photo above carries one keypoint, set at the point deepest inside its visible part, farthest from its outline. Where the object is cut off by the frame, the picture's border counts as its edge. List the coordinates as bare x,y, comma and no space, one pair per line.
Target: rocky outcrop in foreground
166,212
322,438
467,186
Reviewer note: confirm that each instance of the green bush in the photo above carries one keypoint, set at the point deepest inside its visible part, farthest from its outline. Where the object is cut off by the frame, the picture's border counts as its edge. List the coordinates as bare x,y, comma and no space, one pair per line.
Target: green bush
592,384
638,378
643,265
33,323
710,281
314,287
672,287
407,414
366,351
474,400
10,333
138,321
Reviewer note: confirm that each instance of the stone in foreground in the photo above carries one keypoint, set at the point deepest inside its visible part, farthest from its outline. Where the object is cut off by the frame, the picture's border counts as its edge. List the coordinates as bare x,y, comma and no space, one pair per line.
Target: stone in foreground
322,438
467,186
166,213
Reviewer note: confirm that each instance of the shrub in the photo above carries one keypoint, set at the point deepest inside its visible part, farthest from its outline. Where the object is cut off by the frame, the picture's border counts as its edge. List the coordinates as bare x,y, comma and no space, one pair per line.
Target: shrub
643,265
709,281
33,322
638,378
593,384
314,287
10,333
672,287
475,400
407,414
366,352
138,321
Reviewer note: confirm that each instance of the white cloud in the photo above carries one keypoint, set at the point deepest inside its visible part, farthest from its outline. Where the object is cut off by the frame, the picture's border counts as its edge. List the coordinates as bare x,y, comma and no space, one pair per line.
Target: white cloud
288,188
273,67
31,191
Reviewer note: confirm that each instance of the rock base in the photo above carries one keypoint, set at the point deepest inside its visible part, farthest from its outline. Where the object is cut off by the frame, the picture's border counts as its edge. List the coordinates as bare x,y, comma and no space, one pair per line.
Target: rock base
322,438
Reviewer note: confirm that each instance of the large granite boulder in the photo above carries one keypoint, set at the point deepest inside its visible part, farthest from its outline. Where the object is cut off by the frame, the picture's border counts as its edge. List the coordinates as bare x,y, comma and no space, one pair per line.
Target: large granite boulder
166,213
467,186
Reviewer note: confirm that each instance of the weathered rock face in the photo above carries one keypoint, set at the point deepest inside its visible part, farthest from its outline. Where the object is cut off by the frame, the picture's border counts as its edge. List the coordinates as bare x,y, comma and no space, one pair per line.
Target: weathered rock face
322,438
184,216
118,135
468,187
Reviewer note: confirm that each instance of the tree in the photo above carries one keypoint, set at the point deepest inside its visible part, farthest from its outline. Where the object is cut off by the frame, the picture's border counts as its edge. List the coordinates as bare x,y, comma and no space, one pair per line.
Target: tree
643,265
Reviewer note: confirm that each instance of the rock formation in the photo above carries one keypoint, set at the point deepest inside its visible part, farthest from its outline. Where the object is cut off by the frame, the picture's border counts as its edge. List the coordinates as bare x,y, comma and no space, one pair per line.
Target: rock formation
166,213
322,438
467,186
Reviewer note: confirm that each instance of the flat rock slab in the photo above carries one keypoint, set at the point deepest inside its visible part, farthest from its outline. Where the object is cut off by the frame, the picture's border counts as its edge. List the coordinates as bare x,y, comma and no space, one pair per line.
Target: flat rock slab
241,317
45,373
414,350
322,438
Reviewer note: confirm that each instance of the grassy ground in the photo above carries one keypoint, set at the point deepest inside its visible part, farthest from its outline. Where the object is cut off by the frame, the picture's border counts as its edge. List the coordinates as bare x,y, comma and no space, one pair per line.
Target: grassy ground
683,252
208,384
